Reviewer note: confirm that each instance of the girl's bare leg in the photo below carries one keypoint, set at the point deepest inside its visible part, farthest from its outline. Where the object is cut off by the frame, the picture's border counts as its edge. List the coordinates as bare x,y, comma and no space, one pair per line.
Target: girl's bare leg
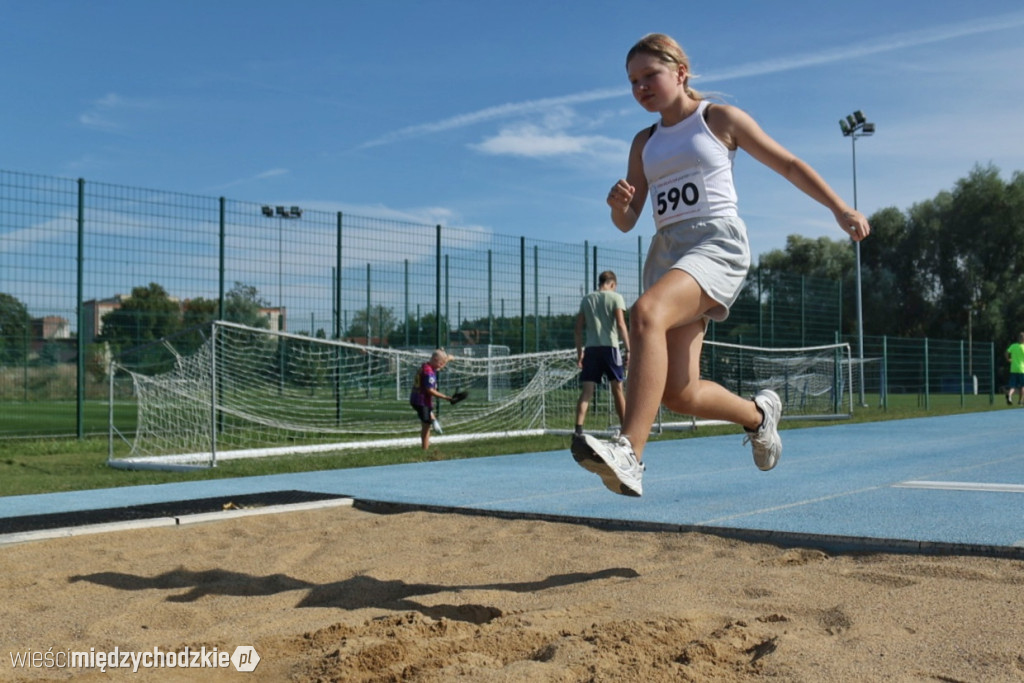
666,334
686,393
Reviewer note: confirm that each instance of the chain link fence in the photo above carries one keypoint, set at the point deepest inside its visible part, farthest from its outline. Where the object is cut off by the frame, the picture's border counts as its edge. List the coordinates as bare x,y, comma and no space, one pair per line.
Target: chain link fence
90,270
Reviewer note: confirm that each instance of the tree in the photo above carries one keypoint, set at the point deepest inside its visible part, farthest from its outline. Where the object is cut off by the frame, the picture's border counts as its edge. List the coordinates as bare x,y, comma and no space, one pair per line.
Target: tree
823,257
933,269
422,331
985,228
955,257
382,324
15,329
242,305
147,315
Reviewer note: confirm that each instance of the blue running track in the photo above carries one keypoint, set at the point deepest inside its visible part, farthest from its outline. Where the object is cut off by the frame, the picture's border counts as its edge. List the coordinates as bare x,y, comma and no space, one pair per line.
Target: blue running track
952,484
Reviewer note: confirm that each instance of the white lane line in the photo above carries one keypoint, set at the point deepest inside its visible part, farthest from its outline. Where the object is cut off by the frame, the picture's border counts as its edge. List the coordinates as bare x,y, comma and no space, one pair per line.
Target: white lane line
960,486
787,506
936,485
180,520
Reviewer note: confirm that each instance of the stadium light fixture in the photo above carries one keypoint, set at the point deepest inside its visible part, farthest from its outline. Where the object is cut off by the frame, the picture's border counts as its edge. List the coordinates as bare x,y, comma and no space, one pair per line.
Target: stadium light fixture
854,126
281,213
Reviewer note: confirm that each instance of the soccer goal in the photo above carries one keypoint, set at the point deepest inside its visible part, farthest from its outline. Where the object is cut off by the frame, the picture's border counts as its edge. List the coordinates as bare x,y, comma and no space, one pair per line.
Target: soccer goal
814,382
247,392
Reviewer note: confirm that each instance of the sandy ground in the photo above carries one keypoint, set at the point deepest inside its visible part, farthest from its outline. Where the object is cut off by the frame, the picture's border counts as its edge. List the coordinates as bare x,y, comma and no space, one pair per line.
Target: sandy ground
343,594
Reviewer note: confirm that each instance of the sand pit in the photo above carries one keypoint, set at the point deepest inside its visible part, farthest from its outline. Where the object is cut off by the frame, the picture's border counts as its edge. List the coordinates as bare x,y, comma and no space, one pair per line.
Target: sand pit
343,594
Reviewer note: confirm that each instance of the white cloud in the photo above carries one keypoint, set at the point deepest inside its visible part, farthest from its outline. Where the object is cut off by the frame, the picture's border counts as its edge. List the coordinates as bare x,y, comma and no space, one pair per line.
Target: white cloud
263,175
272,173
426,215
528,140
552,138
497,112
889,43
106,113
882,44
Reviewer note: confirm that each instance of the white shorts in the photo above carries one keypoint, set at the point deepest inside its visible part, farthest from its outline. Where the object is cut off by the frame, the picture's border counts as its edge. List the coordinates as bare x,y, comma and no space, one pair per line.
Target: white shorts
714,251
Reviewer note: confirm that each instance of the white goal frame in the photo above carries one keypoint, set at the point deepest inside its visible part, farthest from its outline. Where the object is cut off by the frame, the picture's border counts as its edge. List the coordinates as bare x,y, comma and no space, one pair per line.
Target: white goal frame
190,417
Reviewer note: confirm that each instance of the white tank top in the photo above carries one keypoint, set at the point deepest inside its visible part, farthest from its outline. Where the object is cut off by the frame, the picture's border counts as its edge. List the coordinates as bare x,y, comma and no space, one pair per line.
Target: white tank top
689,171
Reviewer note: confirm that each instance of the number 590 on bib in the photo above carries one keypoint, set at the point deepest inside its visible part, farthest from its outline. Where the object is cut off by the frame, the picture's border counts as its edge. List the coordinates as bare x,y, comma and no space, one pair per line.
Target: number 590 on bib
678,197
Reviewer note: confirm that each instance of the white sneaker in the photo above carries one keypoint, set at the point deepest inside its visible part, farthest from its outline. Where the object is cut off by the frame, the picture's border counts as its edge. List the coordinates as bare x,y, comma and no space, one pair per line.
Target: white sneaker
766,441
437,426
613,460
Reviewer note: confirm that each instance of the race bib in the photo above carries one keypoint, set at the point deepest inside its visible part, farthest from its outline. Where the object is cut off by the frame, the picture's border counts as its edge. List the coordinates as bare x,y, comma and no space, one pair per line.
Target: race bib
679,196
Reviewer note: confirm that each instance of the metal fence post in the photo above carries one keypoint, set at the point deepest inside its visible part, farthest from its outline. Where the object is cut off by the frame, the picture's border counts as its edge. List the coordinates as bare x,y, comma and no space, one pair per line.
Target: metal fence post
437,290
640,264
884,388
490,301
80,380
406,298
338,283
220,262
760,306
963,383
992,373
927,378
536,300
522,295
586,266
447,304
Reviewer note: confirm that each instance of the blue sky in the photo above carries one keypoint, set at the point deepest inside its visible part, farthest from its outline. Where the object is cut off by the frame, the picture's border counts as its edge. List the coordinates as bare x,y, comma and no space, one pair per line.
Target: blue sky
513,117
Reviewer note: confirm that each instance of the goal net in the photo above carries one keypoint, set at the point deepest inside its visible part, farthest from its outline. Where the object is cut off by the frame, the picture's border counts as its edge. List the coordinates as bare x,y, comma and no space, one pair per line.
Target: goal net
814,382
248,392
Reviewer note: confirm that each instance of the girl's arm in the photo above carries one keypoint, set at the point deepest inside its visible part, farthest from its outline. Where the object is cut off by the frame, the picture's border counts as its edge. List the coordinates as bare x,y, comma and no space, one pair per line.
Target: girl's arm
736,128
628,195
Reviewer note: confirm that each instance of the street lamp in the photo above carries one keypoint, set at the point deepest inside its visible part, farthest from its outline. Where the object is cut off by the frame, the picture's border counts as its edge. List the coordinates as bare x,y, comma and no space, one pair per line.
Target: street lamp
282,213
856,126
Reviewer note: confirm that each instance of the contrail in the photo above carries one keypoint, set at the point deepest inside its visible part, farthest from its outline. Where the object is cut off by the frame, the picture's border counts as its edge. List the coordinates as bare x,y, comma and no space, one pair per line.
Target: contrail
889,43
497,112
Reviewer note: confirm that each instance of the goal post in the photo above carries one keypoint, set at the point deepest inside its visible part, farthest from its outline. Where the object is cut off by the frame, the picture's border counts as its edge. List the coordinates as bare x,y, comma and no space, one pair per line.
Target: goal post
246,392
249,392
814,382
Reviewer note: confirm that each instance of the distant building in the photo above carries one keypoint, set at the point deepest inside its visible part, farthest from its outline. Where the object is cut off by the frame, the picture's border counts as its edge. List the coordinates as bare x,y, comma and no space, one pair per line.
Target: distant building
95,309
51,340
51,327
93,312
277,316
370,341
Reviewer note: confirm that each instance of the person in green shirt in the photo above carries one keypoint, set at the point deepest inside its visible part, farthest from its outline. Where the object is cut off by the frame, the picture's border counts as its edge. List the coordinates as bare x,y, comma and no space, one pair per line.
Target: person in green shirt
600,325
1015,355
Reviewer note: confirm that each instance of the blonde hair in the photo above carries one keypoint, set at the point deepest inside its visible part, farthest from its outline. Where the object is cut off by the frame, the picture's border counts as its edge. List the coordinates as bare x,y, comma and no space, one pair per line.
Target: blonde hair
665,49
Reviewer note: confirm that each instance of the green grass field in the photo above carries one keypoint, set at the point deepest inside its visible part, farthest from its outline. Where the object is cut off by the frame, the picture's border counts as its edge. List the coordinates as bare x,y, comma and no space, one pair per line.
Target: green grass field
45,465
59,417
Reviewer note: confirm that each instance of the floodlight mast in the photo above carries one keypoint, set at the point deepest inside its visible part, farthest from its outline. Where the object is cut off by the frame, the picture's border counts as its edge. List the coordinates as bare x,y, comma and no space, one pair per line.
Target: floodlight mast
282,213
856,126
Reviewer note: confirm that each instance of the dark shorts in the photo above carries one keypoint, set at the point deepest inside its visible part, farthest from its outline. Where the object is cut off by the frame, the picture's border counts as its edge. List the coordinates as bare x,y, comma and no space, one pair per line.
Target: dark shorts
602,361
1016,380
423,412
